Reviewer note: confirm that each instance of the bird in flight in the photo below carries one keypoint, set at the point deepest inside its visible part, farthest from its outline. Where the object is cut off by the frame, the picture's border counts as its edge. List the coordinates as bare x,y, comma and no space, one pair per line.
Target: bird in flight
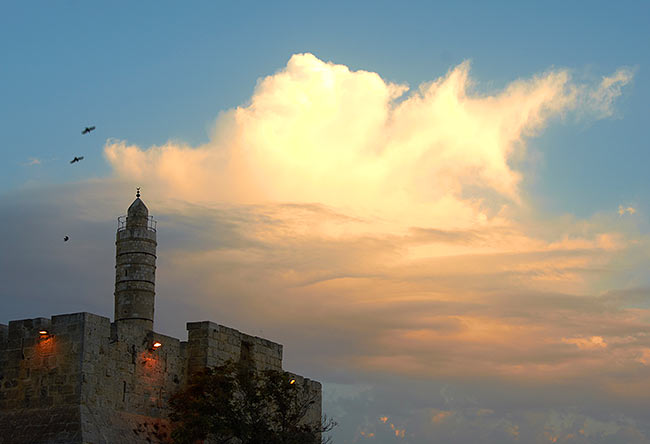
65,238
76,159
87,129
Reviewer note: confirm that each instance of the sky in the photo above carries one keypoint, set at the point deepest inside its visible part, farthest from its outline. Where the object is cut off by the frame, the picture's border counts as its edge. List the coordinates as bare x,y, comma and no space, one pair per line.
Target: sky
440,210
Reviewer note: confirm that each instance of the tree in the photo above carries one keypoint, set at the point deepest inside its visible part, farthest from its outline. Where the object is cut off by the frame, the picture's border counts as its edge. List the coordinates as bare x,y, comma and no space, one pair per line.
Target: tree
234,404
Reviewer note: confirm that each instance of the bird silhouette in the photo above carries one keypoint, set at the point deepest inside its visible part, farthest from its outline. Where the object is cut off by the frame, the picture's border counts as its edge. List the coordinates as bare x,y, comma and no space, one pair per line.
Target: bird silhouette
87,129
65,238
77,159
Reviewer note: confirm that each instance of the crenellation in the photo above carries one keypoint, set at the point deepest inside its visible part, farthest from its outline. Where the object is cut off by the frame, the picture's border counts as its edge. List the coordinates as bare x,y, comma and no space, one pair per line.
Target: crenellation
213,344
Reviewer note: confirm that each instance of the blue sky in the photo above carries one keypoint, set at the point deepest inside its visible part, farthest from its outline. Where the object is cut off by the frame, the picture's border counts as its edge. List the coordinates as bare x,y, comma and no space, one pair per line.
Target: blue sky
150,72
466,258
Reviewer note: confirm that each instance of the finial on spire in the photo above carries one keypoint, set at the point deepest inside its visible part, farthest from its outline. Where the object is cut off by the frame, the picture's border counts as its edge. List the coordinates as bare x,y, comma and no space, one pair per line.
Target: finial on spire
137,193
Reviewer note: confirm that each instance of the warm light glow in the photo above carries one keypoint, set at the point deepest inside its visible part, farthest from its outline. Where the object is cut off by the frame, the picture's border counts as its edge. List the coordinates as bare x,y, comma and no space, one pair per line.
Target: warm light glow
156,344
438,155
409,211
43,332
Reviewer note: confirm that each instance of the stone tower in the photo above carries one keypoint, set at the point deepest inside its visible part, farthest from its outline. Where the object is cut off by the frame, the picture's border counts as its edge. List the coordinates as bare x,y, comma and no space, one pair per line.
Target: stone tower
78,378
135,267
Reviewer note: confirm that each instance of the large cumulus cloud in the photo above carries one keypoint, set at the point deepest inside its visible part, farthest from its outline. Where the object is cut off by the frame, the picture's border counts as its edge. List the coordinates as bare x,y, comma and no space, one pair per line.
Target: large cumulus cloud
440,154
382,234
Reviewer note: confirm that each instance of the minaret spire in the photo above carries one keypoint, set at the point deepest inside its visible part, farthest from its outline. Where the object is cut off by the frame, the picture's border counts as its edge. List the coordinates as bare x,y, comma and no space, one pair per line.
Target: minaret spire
135,266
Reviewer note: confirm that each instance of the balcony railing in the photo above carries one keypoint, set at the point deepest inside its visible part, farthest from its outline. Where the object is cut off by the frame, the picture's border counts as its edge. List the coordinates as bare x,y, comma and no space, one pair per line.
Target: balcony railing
121,223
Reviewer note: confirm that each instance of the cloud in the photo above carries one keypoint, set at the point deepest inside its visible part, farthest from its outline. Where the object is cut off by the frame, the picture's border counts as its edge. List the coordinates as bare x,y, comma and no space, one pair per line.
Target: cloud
440,416
32,161
601,99
381,234
438,155
461,416
623,210
387,226
594,342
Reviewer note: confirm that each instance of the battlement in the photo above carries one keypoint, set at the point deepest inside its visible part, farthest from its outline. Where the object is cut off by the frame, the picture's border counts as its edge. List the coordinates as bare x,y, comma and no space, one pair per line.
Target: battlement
41,362
80,373
211,344
27,328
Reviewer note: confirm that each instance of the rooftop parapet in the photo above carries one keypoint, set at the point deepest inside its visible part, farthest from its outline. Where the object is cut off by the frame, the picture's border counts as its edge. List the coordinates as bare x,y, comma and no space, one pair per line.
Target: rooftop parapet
26,328
211,344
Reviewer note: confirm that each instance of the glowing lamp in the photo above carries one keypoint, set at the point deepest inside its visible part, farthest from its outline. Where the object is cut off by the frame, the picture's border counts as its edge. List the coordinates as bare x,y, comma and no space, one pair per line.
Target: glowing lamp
42,332
293,381
156,345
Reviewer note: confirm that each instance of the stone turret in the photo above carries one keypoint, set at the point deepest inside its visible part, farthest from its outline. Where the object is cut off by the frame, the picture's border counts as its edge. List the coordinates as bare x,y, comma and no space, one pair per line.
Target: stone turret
135,267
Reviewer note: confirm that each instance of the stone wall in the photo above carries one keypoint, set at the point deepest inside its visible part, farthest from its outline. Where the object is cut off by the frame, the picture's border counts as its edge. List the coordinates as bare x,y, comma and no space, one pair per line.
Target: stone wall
312,392
129,382
91,381
86,381
210,344
40,380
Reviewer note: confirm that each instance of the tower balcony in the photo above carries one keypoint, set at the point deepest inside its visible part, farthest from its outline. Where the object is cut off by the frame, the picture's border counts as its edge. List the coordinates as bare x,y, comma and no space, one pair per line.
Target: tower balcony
150,226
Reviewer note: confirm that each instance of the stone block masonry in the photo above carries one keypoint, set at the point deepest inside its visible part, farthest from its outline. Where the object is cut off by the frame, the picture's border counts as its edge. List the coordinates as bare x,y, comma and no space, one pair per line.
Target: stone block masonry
211,344
40,377
92,381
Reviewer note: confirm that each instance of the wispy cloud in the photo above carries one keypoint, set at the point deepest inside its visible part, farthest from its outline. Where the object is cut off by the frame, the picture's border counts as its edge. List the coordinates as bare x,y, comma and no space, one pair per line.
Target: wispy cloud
32,161
601,99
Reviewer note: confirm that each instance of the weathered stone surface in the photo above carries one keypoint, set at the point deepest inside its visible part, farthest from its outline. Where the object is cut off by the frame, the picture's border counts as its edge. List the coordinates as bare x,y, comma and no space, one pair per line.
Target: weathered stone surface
91,381
53,425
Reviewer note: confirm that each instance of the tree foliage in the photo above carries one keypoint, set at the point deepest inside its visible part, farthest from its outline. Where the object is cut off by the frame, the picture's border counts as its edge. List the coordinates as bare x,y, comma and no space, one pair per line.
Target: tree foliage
233,404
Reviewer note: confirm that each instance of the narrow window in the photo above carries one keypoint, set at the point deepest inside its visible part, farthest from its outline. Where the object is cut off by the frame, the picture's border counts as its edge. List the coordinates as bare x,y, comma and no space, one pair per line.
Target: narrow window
124,391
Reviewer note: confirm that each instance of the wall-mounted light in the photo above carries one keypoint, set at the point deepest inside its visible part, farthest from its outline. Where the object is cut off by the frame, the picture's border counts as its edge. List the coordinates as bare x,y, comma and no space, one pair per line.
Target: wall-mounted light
44,334
156,345
293,381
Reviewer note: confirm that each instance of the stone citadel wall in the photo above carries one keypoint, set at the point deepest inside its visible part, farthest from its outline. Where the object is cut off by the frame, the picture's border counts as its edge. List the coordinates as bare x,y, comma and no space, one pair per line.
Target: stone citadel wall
91,381
40,380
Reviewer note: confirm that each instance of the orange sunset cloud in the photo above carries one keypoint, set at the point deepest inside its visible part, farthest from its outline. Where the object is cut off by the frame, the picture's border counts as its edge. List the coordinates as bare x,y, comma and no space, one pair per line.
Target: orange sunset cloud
399,214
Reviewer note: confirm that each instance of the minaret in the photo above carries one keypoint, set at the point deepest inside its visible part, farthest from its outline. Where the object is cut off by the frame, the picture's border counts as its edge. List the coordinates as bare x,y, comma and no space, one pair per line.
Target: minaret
135,267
